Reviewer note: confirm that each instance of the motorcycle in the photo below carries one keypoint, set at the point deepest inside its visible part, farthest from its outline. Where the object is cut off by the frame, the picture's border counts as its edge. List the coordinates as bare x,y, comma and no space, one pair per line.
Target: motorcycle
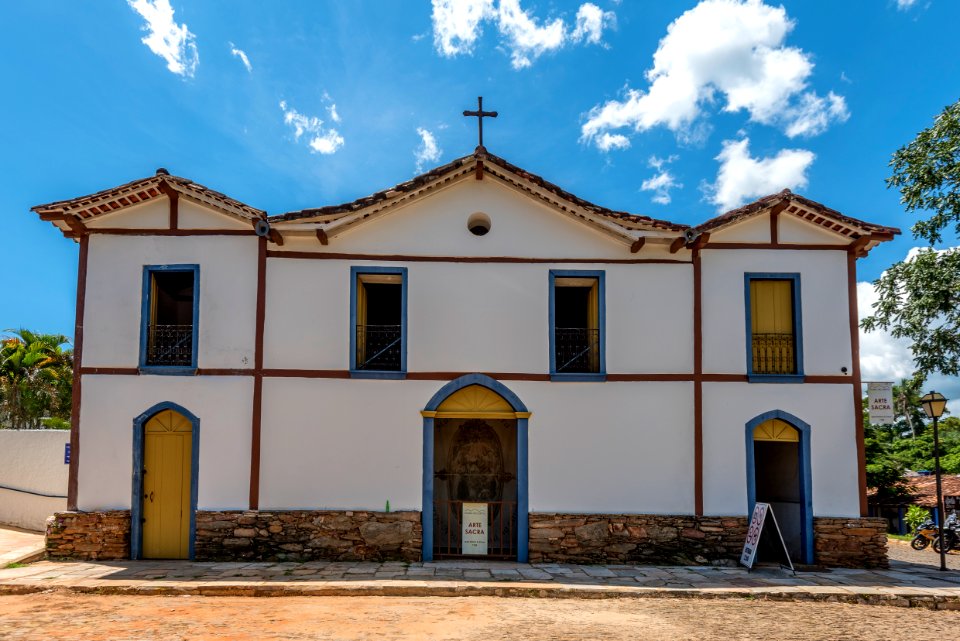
924,535
951,536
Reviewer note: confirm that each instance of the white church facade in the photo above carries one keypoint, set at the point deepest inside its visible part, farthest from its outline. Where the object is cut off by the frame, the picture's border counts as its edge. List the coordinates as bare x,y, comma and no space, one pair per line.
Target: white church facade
474,362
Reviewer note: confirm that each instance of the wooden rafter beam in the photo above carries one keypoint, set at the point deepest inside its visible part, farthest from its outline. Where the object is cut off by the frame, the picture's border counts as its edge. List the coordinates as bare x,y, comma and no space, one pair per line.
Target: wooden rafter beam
322,237
638,244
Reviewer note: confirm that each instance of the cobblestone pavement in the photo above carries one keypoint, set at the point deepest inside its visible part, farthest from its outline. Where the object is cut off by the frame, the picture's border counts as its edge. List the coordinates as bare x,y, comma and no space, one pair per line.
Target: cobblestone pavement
904,584
901,551
118,618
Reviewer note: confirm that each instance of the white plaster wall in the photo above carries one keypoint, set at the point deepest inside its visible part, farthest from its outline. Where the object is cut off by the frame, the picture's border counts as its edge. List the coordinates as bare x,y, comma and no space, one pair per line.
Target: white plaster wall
307,320
614,447
191,215
437,226
334,443
751,230
823,283
479,317
109,405
154,214
828,409
228,291
650,319
796,230
610,447
32,460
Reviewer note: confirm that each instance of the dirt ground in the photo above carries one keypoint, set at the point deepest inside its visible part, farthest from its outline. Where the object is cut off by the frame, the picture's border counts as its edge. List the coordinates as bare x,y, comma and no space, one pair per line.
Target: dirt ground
121,618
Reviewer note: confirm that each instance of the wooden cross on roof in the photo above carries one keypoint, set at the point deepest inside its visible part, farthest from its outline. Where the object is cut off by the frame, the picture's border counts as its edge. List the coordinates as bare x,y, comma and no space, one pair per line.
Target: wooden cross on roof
480,114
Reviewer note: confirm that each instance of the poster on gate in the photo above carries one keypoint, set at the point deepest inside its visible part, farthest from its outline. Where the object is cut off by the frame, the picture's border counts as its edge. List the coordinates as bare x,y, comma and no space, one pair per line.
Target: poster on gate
474,524
880,403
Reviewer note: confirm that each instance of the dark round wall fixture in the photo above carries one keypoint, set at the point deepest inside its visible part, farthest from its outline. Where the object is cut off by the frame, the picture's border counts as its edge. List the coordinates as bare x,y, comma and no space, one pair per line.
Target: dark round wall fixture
478,224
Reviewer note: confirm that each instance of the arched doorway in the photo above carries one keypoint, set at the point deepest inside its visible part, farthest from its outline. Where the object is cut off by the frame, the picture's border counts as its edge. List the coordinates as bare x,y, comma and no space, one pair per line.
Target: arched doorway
475,471
778,473
164,498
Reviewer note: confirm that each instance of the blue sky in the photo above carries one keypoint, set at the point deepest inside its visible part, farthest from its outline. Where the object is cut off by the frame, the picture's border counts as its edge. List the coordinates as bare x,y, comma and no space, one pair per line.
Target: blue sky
707,104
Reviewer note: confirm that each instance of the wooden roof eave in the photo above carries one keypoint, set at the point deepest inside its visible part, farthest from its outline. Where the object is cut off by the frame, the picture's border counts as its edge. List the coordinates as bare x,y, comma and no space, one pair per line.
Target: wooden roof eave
339,224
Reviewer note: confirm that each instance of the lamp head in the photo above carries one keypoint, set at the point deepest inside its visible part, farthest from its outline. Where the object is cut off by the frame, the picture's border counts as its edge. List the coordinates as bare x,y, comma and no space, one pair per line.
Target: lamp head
933,404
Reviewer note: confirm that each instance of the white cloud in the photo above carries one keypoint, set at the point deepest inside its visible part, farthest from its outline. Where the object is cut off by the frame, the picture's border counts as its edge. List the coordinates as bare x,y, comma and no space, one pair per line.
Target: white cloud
813,114
324,140
903,5
428,151
608,141
457,24
729,49
742,177
240,53
172,42
662,182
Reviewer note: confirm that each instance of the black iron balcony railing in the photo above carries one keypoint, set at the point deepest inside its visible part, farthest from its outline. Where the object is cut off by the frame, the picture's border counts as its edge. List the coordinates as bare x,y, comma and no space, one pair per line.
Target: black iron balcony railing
774,354
170,345
379,347
577,349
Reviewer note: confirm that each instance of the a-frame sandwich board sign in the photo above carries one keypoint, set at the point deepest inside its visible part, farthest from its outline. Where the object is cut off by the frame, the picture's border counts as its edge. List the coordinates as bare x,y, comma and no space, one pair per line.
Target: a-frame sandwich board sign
749,554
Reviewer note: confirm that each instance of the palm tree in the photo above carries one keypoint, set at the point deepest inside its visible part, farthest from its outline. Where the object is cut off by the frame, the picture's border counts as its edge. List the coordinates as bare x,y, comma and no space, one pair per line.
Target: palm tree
35,377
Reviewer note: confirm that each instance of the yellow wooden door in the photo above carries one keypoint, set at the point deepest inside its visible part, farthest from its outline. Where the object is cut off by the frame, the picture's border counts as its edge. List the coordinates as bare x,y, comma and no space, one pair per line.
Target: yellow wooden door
168,442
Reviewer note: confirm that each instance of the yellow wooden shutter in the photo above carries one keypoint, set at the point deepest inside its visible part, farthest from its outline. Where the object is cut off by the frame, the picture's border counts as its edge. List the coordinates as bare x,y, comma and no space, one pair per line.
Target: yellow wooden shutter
771,313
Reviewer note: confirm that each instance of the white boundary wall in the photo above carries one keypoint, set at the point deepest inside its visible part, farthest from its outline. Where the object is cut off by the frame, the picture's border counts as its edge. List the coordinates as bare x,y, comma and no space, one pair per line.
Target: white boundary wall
32,461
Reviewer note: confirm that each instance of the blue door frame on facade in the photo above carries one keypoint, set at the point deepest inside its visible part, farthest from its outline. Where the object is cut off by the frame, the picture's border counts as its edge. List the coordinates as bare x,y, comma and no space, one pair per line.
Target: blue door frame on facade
428,451
136,498
806,485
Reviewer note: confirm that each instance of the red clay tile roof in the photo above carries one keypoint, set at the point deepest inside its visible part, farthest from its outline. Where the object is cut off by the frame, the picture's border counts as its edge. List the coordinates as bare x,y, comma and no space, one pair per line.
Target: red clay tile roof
805,208
924,488
480,154
142,190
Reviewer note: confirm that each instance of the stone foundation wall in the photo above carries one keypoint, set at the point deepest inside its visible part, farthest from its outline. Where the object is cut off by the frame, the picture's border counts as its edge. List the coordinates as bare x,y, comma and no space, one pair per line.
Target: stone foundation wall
850,543
636,538
89,536
304,535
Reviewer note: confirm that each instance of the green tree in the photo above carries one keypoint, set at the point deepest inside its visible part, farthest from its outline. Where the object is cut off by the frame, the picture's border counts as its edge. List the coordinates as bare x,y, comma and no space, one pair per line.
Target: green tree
35,378
919,298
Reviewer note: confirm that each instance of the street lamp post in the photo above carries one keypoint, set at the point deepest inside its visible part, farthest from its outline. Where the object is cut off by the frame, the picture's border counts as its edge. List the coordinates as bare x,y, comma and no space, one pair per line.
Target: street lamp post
933,405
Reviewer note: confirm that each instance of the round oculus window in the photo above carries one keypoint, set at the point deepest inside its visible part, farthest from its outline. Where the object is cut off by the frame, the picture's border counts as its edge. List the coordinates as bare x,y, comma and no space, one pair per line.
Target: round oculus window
478,224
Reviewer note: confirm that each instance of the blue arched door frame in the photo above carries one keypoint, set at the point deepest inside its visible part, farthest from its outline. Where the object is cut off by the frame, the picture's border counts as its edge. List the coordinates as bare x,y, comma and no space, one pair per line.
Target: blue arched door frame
136,497
806,486
522,429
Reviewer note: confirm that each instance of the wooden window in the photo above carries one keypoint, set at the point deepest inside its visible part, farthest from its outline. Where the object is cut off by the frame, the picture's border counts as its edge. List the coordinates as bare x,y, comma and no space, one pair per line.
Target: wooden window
774,326
576,312
379,321
170,314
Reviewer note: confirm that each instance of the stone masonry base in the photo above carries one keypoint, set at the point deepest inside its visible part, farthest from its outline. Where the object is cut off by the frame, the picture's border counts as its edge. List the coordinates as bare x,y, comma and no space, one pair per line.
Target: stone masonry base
304,535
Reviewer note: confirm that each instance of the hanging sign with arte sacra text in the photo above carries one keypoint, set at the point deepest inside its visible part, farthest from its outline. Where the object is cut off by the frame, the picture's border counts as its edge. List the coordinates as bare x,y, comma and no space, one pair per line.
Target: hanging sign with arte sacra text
880,403
757,521
474,522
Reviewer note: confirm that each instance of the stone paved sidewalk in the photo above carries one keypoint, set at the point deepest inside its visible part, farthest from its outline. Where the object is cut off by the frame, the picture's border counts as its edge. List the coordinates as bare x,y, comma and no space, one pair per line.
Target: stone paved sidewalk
903,585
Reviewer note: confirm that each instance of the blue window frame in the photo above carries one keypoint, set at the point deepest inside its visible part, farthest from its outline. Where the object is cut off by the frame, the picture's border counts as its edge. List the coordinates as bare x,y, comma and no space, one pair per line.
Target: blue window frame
378,322
756,372
578,344
169,319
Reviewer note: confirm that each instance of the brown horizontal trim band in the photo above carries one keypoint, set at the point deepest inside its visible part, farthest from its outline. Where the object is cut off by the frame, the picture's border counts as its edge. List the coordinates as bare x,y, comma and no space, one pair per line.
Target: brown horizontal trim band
466,259
649,377
774,246
448,376
112,231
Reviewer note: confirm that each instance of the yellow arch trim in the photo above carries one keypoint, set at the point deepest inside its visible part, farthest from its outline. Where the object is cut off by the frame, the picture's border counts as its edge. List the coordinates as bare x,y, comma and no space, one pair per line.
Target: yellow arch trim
776,430
475,401
169,421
